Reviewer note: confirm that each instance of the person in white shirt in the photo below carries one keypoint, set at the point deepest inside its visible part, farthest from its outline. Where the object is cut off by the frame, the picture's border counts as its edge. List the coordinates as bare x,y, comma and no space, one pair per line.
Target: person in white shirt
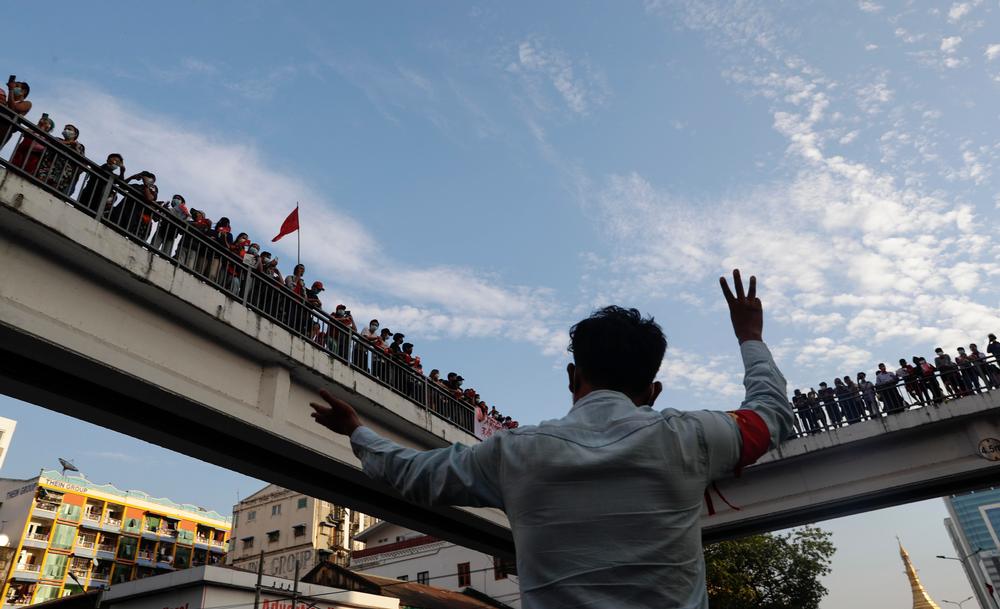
605,503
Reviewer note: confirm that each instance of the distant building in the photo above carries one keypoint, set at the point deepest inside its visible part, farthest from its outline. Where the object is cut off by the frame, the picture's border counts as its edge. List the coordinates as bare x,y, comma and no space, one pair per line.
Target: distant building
400,553
6,433
921,600
974,528
72,534
290,526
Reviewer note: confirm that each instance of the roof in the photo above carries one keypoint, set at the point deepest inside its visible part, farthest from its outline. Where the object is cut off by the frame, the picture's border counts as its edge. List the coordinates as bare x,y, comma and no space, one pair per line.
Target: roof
80,600
410,594
81,484
375,528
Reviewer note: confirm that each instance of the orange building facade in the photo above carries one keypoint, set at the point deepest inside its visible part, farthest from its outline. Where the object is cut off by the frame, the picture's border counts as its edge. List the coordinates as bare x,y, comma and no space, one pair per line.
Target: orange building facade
71,534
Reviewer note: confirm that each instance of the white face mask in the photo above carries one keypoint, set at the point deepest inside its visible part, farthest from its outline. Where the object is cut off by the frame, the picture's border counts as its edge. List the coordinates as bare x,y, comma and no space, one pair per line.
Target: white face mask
147,181
176,202
373,327
68,134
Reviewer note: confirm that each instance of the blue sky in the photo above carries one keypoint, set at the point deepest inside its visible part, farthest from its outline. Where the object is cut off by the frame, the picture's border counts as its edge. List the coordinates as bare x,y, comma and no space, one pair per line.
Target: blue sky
480,176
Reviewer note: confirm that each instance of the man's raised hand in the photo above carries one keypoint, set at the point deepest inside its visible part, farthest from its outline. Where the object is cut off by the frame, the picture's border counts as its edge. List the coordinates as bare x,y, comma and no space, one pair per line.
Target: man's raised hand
338,416
744,309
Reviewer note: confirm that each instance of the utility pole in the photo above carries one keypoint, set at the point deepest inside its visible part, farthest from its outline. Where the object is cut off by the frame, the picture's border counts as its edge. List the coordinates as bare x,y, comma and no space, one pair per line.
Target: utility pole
260,576
295,587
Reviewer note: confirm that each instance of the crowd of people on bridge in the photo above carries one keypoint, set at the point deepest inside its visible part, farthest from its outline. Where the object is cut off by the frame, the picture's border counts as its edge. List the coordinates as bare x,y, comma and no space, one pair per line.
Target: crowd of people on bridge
171,228
852,400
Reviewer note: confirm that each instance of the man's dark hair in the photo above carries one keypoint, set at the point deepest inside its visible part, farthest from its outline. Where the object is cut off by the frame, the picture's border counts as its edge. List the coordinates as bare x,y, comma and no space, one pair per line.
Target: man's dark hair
618,349
27,89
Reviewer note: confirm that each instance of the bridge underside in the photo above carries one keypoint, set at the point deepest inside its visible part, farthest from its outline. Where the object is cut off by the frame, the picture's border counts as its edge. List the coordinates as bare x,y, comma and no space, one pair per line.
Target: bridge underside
86,316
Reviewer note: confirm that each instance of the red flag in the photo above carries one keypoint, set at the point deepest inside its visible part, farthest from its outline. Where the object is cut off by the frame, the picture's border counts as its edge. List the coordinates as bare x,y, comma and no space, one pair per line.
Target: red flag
290,225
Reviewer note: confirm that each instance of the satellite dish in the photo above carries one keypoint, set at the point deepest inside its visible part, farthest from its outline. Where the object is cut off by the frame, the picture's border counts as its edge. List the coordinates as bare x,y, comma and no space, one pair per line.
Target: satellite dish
67,466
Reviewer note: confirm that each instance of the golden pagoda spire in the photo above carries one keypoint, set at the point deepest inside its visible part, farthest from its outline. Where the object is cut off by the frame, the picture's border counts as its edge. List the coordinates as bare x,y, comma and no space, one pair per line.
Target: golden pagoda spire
921,600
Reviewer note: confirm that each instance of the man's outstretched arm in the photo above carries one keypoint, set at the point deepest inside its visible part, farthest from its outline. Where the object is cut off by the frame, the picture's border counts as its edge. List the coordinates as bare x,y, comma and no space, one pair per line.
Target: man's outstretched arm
456,475
738,438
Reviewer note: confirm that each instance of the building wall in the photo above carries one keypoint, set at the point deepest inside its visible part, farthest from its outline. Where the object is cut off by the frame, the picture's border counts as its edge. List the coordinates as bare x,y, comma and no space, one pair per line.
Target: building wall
975,518
435,562
6,433
100,535
289,526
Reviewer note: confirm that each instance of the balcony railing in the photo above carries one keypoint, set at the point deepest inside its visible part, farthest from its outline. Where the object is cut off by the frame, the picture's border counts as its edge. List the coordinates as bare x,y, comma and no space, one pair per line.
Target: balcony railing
82,542
46,506
100,576
94,515
19,601
113,522
121,207
145,554
39,536
30,568
106,547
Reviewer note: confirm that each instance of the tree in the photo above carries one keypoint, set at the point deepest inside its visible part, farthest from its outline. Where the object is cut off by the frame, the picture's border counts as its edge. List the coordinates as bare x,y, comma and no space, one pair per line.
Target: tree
769,571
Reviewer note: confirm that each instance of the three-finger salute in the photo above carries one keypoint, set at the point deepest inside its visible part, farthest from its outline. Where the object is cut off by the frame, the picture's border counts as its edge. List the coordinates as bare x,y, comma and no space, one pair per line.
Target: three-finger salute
745,309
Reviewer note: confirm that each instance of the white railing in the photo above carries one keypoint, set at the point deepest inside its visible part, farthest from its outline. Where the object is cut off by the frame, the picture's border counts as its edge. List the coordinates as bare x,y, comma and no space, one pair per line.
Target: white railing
31,568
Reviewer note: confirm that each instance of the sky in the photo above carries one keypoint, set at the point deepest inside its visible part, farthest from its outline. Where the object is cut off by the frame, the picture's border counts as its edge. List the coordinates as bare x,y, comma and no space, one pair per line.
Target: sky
482,175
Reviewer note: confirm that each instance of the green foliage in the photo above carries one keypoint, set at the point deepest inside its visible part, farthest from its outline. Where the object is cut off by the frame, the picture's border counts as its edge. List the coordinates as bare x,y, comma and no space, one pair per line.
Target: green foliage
769,571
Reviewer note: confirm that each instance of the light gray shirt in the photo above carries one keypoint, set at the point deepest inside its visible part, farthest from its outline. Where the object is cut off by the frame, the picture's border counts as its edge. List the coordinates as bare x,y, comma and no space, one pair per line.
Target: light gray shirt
604,503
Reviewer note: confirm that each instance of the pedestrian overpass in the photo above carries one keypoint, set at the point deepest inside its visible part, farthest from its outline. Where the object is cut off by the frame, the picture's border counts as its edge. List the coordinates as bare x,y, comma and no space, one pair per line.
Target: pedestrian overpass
162,344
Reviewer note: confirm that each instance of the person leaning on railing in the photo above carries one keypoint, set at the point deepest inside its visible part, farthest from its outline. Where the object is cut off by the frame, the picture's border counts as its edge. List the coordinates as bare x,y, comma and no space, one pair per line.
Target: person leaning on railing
15,100
58,170
29,150
94,185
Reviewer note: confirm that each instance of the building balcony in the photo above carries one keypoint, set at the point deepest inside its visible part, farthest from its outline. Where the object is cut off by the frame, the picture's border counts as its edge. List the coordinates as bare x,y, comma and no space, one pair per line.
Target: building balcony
31,568
111,522
106,547
82,542
43,505
145,554
100,576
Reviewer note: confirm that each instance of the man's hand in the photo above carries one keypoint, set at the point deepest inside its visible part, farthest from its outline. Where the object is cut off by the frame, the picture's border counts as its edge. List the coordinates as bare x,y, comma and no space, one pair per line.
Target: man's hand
338,416
744,309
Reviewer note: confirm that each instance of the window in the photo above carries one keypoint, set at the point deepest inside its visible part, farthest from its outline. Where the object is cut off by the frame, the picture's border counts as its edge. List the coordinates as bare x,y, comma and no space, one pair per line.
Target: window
302,503
63,537
55,566
403,578
423,577
127,547
276,509
251,515
273,536
464,574
299,530
501,568
182,557
68,511
247,543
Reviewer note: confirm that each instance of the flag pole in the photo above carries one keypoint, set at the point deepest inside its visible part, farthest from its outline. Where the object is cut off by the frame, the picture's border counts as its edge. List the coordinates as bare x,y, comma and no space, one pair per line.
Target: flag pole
298,240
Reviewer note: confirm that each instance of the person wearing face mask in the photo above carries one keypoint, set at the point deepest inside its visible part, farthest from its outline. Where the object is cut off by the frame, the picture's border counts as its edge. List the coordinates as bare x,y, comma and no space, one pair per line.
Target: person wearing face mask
238,248
167,231
134,213
370,335
252,256
187,250
29,150
14,102
57,169
93,187
222,234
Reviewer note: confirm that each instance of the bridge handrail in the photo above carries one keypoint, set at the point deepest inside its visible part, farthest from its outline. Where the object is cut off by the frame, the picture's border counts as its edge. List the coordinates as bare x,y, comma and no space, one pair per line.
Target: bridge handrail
854,405
117,204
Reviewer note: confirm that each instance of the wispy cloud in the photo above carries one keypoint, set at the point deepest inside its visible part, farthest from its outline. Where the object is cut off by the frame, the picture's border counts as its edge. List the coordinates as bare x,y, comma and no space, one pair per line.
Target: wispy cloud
580,87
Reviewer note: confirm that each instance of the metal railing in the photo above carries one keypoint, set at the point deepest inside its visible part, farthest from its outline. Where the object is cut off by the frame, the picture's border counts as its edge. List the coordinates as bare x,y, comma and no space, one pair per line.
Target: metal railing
108,199
114,522
847,405
46,506
39,536
29,567
85,543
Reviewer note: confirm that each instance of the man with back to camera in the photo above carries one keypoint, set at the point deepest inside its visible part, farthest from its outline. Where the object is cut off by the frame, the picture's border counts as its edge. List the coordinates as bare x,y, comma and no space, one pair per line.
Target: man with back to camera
604,503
